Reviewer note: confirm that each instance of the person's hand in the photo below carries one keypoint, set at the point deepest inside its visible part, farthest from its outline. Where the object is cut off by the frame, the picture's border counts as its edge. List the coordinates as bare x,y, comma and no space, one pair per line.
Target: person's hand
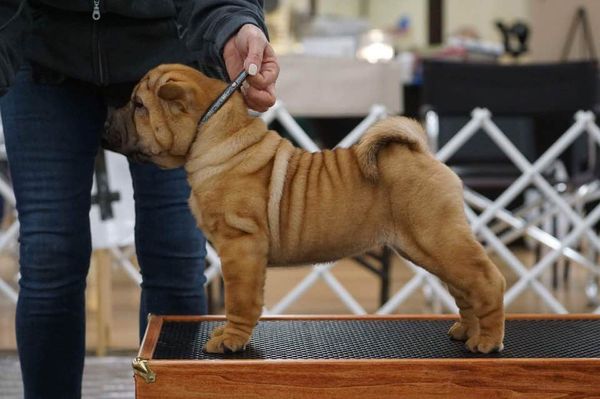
249,49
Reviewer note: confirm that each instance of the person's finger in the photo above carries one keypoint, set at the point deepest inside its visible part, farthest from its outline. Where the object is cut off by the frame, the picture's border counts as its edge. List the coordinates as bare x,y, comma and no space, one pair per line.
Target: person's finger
250,42
254,58
266,77
233,60
260,100
269,70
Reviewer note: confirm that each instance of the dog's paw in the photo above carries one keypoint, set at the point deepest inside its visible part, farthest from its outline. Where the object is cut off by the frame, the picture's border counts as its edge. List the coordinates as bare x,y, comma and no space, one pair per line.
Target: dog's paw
224,343
217,331
461,331
484,344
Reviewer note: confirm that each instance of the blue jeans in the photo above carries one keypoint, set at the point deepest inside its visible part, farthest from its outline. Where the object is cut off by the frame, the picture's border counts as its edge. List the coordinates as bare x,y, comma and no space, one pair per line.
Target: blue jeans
52,133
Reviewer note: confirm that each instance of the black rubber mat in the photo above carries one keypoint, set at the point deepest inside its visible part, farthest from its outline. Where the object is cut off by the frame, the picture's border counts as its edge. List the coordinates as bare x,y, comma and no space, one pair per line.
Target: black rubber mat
381,339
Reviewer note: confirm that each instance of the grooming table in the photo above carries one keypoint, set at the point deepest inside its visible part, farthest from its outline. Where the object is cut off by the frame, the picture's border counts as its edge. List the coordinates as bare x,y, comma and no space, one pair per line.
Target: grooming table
545,356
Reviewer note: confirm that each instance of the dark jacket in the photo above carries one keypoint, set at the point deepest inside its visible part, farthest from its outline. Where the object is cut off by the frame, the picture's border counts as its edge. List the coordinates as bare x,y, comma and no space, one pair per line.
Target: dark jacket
115,41
13,19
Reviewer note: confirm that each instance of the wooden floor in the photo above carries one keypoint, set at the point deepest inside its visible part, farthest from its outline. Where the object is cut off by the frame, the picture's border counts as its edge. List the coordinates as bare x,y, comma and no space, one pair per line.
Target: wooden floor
362,284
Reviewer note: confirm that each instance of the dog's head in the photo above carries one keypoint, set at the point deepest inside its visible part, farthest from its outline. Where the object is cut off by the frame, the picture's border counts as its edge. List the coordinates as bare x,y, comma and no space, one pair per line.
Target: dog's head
160,121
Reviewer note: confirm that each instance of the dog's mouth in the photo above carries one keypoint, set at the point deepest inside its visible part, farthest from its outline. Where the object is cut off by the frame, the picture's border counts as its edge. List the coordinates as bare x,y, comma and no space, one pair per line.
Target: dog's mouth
139,157
118,138
111,140
136,156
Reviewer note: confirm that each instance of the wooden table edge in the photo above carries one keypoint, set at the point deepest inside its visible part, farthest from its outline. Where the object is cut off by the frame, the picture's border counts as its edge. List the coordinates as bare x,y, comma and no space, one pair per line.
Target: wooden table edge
151,336
515,316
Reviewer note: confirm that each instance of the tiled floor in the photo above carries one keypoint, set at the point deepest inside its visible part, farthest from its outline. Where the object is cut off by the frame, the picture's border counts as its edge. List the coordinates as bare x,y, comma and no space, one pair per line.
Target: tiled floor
103,378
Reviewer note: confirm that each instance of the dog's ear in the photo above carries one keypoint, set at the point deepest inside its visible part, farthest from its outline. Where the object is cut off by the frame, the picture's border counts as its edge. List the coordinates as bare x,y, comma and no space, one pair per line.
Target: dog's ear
176,127
171,91
181,96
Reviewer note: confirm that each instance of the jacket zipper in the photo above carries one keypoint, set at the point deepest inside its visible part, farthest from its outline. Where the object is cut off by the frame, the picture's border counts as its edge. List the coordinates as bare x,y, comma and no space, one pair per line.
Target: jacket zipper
96,12
96,39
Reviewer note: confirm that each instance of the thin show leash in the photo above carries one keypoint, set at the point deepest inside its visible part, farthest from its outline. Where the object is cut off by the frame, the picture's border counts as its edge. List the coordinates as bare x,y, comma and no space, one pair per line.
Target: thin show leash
225,95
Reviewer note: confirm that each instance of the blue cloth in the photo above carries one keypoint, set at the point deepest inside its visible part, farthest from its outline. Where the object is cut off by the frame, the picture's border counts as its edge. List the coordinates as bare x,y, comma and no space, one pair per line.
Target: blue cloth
52,136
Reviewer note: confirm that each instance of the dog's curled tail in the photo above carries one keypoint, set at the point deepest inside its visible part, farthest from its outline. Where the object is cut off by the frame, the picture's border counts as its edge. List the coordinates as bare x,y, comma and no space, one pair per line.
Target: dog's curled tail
399,130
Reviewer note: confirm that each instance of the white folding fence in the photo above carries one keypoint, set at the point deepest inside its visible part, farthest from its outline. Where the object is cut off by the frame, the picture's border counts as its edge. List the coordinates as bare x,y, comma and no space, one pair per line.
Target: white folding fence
492,221
532,176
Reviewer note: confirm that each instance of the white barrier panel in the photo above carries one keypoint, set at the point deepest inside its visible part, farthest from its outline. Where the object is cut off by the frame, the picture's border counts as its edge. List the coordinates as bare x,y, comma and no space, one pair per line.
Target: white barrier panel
117,234
119,230
8,237
555,203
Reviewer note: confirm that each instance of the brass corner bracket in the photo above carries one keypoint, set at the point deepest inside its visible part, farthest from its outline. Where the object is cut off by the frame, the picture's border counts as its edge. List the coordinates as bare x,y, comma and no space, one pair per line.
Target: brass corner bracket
141,368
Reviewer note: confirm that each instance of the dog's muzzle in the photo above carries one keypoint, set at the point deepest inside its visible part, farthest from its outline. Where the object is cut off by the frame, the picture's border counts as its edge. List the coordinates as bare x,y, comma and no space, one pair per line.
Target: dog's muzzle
117,137
112,138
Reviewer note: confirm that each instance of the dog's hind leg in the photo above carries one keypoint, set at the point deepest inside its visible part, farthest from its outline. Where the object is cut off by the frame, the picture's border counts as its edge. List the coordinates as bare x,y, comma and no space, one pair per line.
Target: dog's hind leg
243,263
468,324
432,229
473,280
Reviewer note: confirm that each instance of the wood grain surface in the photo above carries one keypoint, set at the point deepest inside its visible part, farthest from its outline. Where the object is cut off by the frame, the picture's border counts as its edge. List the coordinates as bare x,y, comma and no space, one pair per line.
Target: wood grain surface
366,379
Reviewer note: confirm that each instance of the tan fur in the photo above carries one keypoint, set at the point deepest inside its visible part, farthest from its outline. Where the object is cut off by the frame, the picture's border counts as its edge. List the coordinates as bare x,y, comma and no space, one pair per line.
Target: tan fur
391,130
261,201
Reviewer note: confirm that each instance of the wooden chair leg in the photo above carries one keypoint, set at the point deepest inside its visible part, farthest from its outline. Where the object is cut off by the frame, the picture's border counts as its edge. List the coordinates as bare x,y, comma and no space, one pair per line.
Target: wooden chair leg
103,263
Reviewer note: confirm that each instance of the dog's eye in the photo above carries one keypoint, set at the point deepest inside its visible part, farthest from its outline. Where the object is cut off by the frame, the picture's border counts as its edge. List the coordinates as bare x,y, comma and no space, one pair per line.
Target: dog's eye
137,103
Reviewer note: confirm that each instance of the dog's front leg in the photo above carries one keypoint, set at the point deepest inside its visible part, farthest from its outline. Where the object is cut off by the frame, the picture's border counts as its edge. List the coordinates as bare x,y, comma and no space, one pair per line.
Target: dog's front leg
243,263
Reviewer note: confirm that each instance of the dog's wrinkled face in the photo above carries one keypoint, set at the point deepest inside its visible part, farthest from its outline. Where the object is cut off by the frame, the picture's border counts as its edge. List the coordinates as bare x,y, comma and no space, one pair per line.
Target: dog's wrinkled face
159,123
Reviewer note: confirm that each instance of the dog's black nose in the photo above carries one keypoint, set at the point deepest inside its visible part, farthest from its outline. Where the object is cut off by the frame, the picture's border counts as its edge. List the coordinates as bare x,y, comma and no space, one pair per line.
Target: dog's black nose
111,137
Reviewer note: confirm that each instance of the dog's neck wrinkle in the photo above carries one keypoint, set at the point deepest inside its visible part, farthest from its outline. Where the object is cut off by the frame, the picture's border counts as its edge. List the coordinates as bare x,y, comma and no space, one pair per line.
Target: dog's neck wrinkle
218,128
218,143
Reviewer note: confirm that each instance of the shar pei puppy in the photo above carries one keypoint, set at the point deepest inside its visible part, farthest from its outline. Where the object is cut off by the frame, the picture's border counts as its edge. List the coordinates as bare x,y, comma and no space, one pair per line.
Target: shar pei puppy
262,201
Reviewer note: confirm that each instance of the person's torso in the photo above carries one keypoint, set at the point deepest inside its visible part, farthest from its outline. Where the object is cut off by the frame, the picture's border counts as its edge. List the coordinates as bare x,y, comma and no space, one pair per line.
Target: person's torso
104,41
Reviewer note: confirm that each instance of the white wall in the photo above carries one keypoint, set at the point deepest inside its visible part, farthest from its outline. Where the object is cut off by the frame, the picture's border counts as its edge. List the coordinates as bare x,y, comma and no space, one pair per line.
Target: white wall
482,15
381,13
478,14
339,7
551,19
385,13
